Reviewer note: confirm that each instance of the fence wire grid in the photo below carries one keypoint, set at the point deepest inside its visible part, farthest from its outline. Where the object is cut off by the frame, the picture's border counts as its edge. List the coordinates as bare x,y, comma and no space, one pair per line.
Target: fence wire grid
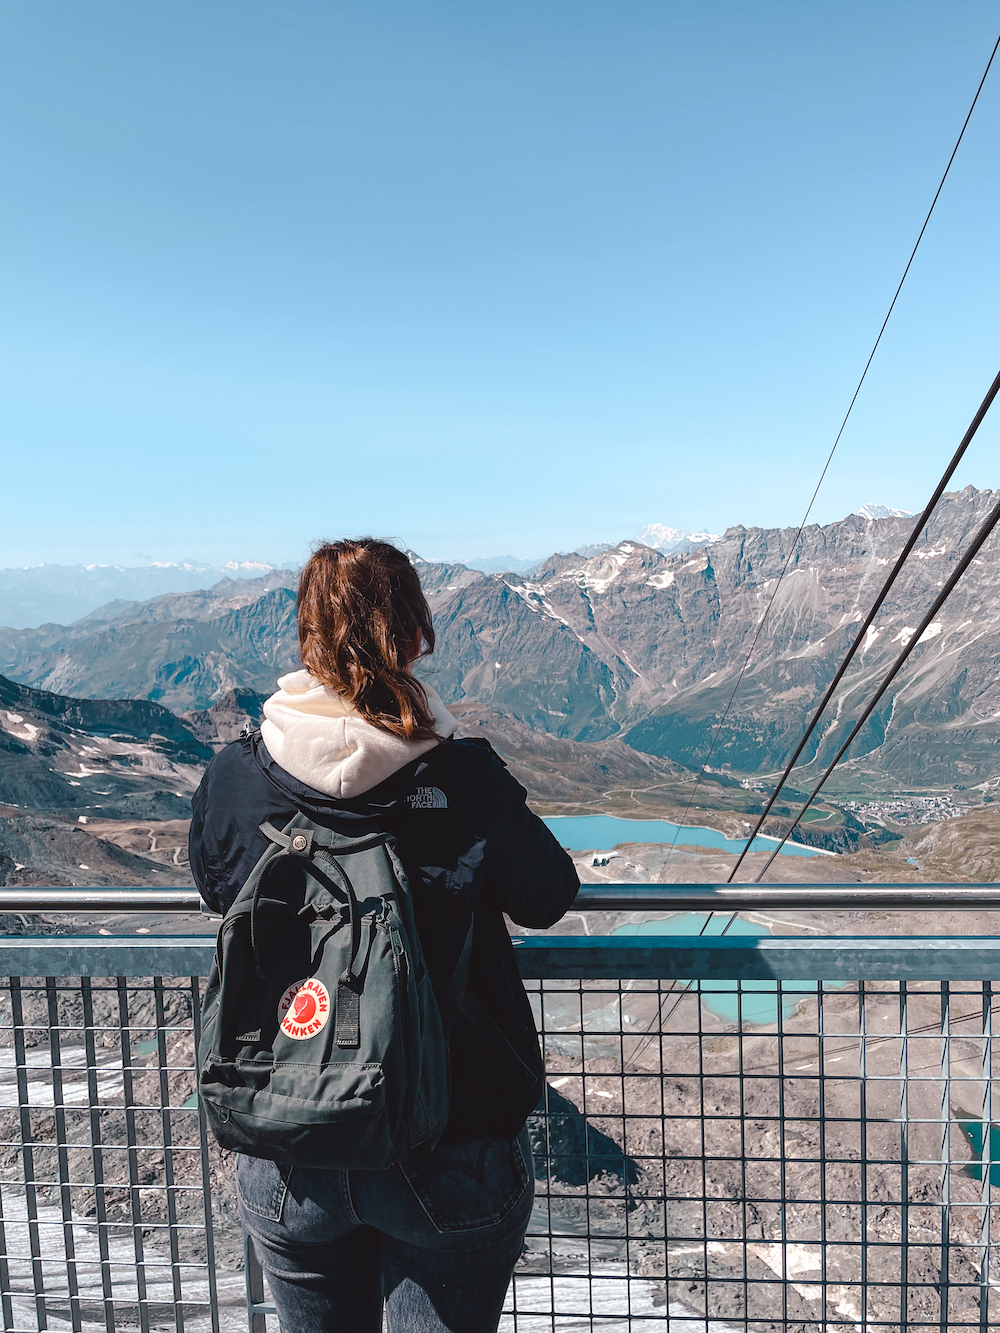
768,1157
709,1156
107,1180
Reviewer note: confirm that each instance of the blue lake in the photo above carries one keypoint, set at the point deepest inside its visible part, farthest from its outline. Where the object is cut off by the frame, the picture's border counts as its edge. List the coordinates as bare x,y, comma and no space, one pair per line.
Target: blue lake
580,833
973,1131
751,1001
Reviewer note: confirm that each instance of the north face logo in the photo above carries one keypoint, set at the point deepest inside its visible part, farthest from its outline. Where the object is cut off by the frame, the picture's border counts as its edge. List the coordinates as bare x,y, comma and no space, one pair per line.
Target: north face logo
427,798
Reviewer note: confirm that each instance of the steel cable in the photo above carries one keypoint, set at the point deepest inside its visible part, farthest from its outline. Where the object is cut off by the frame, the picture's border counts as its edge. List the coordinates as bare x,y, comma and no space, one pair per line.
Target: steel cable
826,466
784,569
973,550
978,541
894,573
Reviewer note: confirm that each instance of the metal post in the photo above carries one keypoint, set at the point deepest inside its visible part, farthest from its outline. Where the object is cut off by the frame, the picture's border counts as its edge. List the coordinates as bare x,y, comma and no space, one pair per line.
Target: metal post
256,1309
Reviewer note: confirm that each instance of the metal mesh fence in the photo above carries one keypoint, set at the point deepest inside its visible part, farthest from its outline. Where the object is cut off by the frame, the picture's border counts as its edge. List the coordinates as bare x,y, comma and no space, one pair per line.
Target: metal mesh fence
775,1156
107,1179
765,1156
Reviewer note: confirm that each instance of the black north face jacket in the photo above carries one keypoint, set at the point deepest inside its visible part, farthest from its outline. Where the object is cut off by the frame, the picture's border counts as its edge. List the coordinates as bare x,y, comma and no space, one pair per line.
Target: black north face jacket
469,845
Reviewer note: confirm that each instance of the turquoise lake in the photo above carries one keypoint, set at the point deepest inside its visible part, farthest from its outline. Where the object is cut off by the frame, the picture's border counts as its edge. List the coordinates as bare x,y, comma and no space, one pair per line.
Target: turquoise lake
755,1001
580,833
973,1131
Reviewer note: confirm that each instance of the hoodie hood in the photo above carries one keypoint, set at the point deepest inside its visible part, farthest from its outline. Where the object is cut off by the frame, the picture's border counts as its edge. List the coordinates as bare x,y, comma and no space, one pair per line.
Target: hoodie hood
314,734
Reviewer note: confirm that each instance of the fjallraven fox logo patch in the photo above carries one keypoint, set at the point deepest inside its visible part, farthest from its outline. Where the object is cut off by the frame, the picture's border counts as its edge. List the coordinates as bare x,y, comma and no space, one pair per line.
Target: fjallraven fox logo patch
304,1009
427,798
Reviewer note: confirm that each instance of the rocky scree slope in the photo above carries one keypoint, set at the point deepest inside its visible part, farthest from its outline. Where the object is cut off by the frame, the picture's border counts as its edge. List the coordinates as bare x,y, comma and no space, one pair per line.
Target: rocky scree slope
36,850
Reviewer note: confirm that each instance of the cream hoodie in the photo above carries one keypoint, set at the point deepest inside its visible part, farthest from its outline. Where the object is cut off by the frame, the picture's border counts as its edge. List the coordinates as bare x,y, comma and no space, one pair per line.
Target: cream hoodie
318,737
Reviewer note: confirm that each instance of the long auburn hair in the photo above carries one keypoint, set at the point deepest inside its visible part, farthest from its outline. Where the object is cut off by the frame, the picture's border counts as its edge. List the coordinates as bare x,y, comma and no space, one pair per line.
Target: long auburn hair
360,608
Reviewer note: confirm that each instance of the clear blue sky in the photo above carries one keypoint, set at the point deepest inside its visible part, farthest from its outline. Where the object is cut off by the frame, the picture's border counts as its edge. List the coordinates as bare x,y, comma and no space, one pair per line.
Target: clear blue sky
487,278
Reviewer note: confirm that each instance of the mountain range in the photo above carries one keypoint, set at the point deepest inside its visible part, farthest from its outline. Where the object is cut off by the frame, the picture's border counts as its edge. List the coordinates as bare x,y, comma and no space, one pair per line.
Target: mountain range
672,541
122,773
63,593
627,644
659,536
184,650
36,595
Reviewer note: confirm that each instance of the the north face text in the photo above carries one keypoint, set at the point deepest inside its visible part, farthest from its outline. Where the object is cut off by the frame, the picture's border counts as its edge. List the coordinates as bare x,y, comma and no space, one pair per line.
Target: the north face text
427,798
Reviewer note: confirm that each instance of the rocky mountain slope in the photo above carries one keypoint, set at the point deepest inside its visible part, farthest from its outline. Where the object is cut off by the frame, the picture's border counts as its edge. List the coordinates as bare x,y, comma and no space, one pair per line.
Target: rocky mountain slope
227,717
966,848
573,777
120,758
938,724
38,850
184,650
649,648
630,644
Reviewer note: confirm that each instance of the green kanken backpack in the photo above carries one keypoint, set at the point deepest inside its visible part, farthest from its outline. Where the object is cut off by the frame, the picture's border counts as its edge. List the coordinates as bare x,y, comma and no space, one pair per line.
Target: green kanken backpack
322,1043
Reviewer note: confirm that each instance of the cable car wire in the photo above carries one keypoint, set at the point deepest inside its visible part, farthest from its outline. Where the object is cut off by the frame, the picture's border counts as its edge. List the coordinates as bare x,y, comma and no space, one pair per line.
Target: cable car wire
859,639
976,545
660,1017
826,466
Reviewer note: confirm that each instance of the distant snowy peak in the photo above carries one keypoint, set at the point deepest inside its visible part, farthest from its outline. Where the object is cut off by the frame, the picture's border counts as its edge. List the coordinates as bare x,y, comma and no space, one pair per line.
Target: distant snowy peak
249,568
882,511
668,541
162,564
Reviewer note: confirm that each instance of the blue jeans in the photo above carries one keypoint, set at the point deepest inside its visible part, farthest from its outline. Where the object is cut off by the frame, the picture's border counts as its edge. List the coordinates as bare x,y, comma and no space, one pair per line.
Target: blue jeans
436,1243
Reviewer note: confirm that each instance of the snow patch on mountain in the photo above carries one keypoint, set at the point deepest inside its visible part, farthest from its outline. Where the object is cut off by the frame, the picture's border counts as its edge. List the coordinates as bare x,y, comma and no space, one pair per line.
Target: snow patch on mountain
871,634
907,632
670,541
600,571
873,511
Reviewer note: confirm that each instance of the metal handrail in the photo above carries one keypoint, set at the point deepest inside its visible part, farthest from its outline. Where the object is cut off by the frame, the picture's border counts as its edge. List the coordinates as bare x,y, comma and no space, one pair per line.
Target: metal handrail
46,899
787,958
792,897
591,898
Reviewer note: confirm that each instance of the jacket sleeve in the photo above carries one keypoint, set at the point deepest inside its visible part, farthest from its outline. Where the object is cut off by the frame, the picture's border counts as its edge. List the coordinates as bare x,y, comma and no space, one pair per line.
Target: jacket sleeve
528,875
203,853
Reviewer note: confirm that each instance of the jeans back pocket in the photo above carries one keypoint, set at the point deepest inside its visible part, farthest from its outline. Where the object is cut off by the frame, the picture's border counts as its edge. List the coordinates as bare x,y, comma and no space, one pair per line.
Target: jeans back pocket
262,1186
469,1185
